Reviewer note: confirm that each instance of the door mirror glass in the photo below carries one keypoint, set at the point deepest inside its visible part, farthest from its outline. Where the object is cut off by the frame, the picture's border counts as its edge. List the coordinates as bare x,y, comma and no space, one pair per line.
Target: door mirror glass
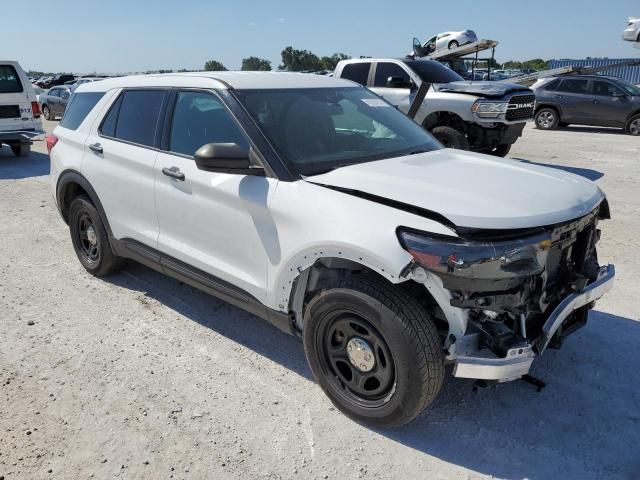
226,158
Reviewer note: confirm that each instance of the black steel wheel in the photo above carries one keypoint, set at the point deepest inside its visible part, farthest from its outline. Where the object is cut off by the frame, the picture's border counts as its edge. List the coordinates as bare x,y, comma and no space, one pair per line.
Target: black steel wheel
374,350
90,240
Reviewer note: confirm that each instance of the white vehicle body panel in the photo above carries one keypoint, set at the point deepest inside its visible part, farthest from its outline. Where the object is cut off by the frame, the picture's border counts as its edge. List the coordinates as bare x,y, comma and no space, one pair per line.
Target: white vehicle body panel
632,32
472,189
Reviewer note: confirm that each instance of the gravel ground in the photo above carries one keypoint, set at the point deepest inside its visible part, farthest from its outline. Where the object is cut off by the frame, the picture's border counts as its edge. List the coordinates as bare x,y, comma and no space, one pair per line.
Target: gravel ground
138,376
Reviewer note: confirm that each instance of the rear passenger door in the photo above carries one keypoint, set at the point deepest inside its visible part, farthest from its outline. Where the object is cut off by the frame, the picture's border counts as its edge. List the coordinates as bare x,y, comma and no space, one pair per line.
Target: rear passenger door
572,95
119,161
53,101
215,222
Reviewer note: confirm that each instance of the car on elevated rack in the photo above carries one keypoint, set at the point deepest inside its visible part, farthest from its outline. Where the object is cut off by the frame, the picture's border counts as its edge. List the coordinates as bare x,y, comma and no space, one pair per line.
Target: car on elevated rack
317,205
449,40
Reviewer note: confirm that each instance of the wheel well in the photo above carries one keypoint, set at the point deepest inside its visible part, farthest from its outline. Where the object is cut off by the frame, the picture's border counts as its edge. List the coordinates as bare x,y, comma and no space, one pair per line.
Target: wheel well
449,119
326,270
633,114
70,191
546,105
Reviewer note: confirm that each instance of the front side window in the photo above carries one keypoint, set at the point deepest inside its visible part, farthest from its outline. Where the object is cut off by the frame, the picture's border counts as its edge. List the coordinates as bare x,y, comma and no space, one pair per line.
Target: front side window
605,89
356,72
573,86
433,72
384,70
79,107
315,130
134,116
54,92
9,81
200,118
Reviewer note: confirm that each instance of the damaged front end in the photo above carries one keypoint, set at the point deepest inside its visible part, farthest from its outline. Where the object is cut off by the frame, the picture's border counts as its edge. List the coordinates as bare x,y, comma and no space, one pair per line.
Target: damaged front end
519,292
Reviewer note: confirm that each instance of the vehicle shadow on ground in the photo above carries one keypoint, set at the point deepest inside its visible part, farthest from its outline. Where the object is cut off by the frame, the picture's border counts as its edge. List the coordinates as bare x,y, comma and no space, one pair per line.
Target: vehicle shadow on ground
15,168
584,424
592,175
587,129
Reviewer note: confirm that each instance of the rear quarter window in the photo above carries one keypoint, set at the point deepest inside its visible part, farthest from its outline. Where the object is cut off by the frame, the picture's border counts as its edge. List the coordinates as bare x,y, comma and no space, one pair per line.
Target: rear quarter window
9,80
357,72
78,109
134,116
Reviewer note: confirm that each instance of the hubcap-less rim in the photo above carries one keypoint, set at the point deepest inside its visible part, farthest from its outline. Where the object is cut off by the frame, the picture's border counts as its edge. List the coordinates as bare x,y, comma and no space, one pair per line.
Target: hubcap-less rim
546,119
634,127
89,244
357,360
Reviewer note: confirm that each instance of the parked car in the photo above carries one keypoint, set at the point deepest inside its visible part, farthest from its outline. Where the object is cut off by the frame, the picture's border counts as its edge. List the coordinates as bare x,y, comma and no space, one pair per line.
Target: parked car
55,101
449,40
485,117
19,110
587,100
632,32
57,80
335,217
43,81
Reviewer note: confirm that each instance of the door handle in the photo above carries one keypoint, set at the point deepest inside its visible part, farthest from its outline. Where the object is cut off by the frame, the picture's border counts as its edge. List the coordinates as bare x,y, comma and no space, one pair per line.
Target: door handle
96,147
595,101
557,96
173,172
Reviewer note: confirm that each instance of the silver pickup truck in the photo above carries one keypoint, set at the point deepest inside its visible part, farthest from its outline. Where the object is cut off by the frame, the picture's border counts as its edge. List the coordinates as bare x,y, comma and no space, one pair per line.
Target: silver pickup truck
485,117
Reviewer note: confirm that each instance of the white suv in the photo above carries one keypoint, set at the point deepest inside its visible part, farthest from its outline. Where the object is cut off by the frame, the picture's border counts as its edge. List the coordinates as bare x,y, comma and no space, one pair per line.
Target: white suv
19,109
315,204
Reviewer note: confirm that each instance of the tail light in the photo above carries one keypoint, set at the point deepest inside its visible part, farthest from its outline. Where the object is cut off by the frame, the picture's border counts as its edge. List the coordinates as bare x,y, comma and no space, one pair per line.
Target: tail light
51,142
35,109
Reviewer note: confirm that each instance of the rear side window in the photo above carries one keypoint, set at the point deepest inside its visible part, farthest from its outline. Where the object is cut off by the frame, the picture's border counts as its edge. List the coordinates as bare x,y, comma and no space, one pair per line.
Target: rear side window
573,86
357,72
134,116
9,81
200,118
79,107
552,86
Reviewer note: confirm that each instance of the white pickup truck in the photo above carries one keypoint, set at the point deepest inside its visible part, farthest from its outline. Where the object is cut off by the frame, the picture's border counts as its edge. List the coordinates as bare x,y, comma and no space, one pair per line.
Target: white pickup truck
19,109
485,117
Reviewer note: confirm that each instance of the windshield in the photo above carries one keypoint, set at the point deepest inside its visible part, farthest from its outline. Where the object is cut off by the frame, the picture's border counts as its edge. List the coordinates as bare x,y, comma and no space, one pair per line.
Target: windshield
628,87
316,130
433,72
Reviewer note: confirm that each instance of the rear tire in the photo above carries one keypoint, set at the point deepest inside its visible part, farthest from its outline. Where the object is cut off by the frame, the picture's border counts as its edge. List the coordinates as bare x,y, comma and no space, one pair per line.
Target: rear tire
46,113
450,137
453,44
21,149
395,366
633,125
501,150
547,119
90,239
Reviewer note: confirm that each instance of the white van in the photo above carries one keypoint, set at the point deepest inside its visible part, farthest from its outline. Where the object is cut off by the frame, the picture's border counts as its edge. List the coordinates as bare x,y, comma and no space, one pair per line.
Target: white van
19,109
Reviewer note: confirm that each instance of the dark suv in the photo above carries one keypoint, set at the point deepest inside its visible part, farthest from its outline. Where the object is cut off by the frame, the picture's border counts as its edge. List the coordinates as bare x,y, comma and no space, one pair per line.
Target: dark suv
587,100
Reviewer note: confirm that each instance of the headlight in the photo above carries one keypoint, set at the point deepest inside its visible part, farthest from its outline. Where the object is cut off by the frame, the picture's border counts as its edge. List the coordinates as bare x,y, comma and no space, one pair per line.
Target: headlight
482,260
488,109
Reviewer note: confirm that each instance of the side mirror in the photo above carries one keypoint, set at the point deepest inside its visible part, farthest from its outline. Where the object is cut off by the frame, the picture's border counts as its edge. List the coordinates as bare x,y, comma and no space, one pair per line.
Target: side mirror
397,82
226,158
619,94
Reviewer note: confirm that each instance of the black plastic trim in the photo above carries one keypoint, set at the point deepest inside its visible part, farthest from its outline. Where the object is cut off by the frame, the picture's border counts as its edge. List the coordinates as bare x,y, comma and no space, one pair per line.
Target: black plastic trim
201,280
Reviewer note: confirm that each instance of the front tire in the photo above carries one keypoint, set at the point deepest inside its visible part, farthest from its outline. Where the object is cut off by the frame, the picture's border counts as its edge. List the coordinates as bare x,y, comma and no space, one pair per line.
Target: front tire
453,44
374,350
21,149
547,119
90,239
450,137
501,150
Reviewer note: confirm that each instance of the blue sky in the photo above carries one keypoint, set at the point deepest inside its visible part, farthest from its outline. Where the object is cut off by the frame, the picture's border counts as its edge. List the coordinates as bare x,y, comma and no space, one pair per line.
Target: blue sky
137,35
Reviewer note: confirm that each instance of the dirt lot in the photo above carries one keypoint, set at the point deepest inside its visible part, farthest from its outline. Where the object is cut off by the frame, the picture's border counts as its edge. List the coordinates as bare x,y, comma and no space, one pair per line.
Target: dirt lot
137,376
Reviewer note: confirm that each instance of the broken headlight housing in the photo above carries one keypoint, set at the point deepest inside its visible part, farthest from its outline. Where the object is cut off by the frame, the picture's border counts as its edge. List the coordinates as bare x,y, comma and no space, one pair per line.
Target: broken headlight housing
477,259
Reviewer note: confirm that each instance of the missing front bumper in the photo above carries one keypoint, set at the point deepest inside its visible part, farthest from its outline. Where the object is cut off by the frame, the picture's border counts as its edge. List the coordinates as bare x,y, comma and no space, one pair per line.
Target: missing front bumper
518,360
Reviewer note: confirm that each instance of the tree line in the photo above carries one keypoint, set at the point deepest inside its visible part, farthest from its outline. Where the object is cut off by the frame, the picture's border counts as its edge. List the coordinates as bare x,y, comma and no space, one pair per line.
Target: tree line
293,60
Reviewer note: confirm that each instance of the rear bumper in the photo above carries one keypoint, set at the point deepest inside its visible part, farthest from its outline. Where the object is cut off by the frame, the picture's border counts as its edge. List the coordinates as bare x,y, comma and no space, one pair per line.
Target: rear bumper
22,136
519,359
630,35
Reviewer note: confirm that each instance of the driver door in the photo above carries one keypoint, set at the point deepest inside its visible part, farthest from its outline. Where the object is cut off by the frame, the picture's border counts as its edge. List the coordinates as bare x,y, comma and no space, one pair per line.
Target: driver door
398,95
218,223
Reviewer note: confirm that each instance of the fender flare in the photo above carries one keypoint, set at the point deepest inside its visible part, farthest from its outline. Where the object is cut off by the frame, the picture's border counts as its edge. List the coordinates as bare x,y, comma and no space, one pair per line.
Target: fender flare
73,176
548,105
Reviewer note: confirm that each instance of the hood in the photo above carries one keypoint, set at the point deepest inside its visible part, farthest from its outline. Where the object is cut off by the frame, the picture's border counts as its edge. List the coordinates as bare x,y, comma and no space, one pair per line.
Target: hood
481,89
472,190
